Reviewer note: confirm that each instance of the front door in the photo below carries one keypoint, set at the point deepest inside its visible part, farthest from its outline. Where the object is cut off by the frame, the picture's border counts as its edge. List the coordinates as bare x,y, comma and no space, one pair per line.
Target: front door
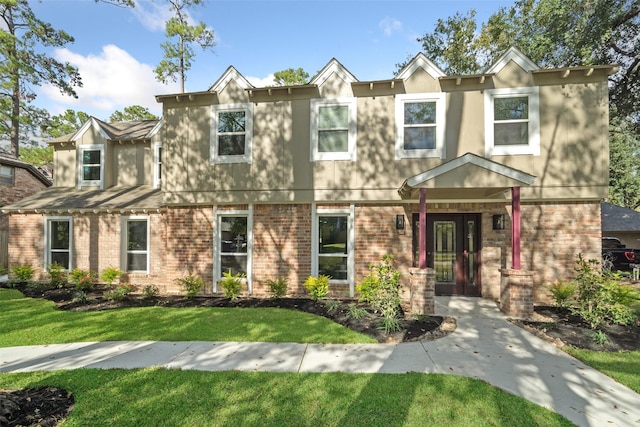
453,252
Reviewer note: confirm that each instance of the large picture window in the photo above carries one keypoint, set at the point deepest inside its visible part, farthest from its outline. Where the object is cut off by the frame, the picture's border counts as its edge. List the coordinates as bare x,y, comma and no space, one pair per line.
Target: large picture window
135,234
232,128
58,241
233,244
333,129
420,125
512,121
91,166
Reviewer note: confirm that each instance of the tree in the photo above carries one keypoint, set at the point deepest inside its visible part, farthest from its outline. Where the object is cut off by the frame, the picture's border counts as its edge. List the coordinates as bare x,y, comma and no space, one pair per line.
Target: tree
133,112
291,77
22,67
179,54
37,156
65,123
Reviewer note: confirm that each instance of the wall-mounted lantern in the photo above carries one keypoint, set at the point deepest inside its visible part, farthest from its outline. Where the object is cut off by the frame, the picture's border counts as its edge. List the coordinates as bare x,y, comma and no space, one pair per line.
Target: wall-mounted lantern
399,222
498,222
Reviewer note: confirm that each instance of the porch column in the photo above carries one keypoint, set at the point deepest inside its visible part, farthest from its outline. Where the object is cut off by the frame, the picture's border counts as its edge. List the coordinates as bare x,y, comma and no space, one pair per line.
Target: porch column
515,228
422,235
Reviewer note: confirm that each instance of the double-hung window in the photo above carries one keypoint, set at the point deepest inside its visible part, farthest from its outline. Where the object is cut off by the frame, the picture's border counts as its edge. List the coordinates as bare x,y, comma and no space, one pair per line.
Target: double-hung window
333,129
233,244
58,241
91,166
7,174
135,244
512,121
333,244
420,125
232,133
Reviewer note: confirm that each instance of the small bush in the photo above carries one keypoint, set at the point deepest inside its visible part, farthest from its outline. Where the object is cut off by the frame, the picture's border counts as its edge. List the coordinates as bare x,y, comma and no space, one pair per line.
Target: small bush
356,312
318,287
120,292
57,275
381,289
150,291
82,279
232,284
599,337
80,296
562,293
110,275
278,287
23,273
191,284
332,305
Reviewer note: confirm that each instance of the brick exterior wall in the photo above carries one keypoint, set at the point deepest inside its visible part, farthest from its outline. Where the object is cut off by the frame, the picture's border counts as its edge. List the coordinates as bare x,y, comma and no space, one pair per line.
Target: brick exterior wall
24,185
182,242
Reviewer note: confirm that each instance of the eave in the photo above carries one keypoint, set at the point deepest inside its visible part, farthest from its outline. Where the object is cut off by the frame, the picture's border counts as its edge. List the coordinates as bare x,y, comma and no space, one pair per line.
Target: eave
179,97
279,90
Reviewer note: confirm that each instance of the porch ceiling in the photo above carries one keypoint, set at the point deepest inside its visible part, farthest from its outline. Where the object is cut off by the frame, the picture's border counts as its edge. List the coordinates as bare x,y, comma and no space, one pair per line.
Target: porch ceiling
466,177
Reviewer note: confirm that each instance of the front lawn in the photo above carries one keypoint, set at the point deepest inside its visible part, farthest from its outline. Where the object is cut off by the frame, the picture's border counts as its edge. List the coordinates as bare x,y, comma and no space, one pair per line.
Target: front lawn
623,366
160,397
29,321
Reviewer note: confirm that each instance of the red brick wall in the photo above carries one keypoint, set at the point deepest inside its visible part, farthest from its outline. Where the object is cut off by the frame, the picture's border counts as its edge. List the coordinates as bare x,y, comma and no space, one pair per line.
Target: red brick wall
26,241
24,185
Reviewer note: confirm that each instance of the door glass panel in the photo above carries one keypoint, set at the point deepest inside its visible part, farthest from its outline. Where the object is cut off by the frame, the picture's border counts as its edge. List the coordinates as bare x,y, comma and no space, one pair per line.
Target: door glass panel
444,261
471,250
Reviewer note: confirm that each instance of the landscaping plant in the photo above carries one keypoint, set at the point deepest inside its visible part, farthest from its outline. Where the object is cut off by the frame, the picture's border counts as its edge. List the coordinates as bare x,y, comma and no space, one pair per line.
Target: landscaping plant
150,291
381,289
232,284
110,275
191,284
120,292
57,275
562,293
278,287
82,279
23,272
318,287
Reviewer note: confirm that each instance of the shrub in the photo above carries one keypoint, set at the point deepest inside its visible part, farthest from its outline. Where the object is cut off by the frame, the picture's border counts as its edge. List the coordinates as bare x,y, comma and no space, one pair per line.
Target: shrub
150,291
332,305
80,296
82,279
278,287
110,275
57,275
356,312
23,273
318,287
191,284
562,292
600,297
381,289
232,284
120,292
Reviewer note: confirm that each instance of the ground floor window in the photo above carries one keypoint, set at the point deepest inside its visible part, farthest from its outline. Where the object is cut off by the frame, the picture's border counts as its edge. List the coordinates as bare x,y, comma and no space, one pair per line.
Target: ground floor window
135,235
333,243
58,240
233,243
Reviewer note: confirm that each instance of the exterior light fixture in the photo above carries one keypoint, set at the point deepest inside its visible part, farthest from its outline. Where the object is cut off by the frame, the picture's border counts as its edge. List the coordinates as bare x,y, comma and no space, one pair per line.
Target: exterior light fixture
498,222
399,222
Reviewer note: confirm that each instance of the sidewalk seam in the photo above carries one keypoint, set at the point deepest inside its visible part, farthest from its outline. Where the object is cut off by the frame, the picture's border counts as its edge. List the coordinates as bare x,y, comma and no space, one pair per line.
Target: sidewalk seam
304,353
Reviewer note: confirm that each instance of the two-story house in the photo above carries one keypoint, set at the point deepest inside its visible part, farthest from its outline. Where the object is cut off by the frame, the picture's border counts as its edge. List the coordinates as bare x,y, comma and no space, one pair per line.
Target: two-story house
467,175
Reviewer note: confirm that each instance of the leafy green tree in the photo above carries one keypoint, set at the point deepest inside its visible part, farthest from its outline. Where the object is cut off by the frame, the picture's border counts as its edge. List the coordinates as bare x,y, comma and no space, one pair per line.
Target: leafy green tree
131,113
178,54
65,123
624,167
23,67
291,77
37,156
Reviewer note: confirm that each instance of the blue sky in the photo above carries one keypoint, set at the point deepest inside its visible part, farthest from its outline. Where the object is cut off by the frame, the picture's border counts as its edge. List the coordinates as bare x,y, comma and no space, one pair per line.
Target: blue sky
116,49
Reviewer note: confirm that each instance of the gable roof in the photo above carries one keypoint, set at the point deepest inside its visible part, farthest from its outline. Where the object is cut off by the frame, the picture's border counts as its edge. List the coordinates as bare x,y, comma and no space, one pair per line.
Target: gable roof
333,66
617,218
420,61
7,158
118,131
515,55
230,74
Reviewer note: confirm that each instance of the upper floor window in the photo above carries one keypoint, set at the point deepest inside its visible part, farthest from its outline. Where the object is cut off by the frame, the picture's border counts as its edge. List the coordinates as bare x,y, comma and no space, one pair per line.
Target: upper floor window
512,121
232,131
333,129
420,125
7,175
157,165
91,166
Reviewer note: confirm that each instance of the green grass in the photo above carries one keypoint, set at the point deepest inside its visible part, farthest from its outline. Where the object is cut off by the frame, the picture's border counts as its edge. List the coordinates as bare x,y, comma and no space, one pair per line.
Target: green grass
161,397
28,321
623,366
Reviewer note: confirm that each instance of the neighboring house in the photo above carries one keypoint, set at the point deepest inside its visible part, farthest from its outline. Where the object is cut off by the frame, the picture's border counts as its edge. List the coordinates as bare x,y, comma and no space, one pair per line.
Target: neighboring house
623,223
328,177
18,180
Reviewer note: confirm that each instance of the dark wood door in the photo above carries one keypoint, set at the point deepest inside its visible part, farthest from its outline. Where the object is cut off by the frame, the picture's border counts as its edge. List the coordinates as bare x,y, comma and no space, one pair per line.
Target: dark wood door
453,251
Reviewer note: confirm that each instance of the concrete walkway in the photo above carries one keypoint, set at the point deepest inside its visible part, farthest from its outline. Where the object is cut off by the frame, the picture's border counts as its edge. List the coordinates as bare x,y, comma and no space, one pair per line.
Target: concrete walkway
484,346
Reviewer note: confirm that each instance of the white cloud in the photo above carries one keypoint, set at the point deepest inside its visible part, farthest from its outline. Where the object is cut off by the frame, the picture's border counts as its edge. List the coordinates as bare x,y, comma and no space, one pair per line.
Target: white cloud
151,15
111,80
390,25
262,82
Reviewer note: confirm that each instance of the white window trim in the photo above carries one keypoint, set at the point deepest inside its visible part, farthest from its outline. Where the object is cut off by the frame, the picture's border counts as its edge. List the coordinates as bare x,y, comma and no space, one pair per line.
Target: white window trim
439,150
123,242
246,157
350,154
11,175
157,165
217,269
533,148
351,239
47,242
90,183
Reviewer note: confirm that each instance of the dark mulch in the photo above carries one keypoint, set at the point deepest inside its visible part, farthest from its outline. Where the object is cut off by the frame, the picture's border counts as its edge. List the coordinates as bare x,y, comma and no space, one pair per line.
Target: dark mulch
41,406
